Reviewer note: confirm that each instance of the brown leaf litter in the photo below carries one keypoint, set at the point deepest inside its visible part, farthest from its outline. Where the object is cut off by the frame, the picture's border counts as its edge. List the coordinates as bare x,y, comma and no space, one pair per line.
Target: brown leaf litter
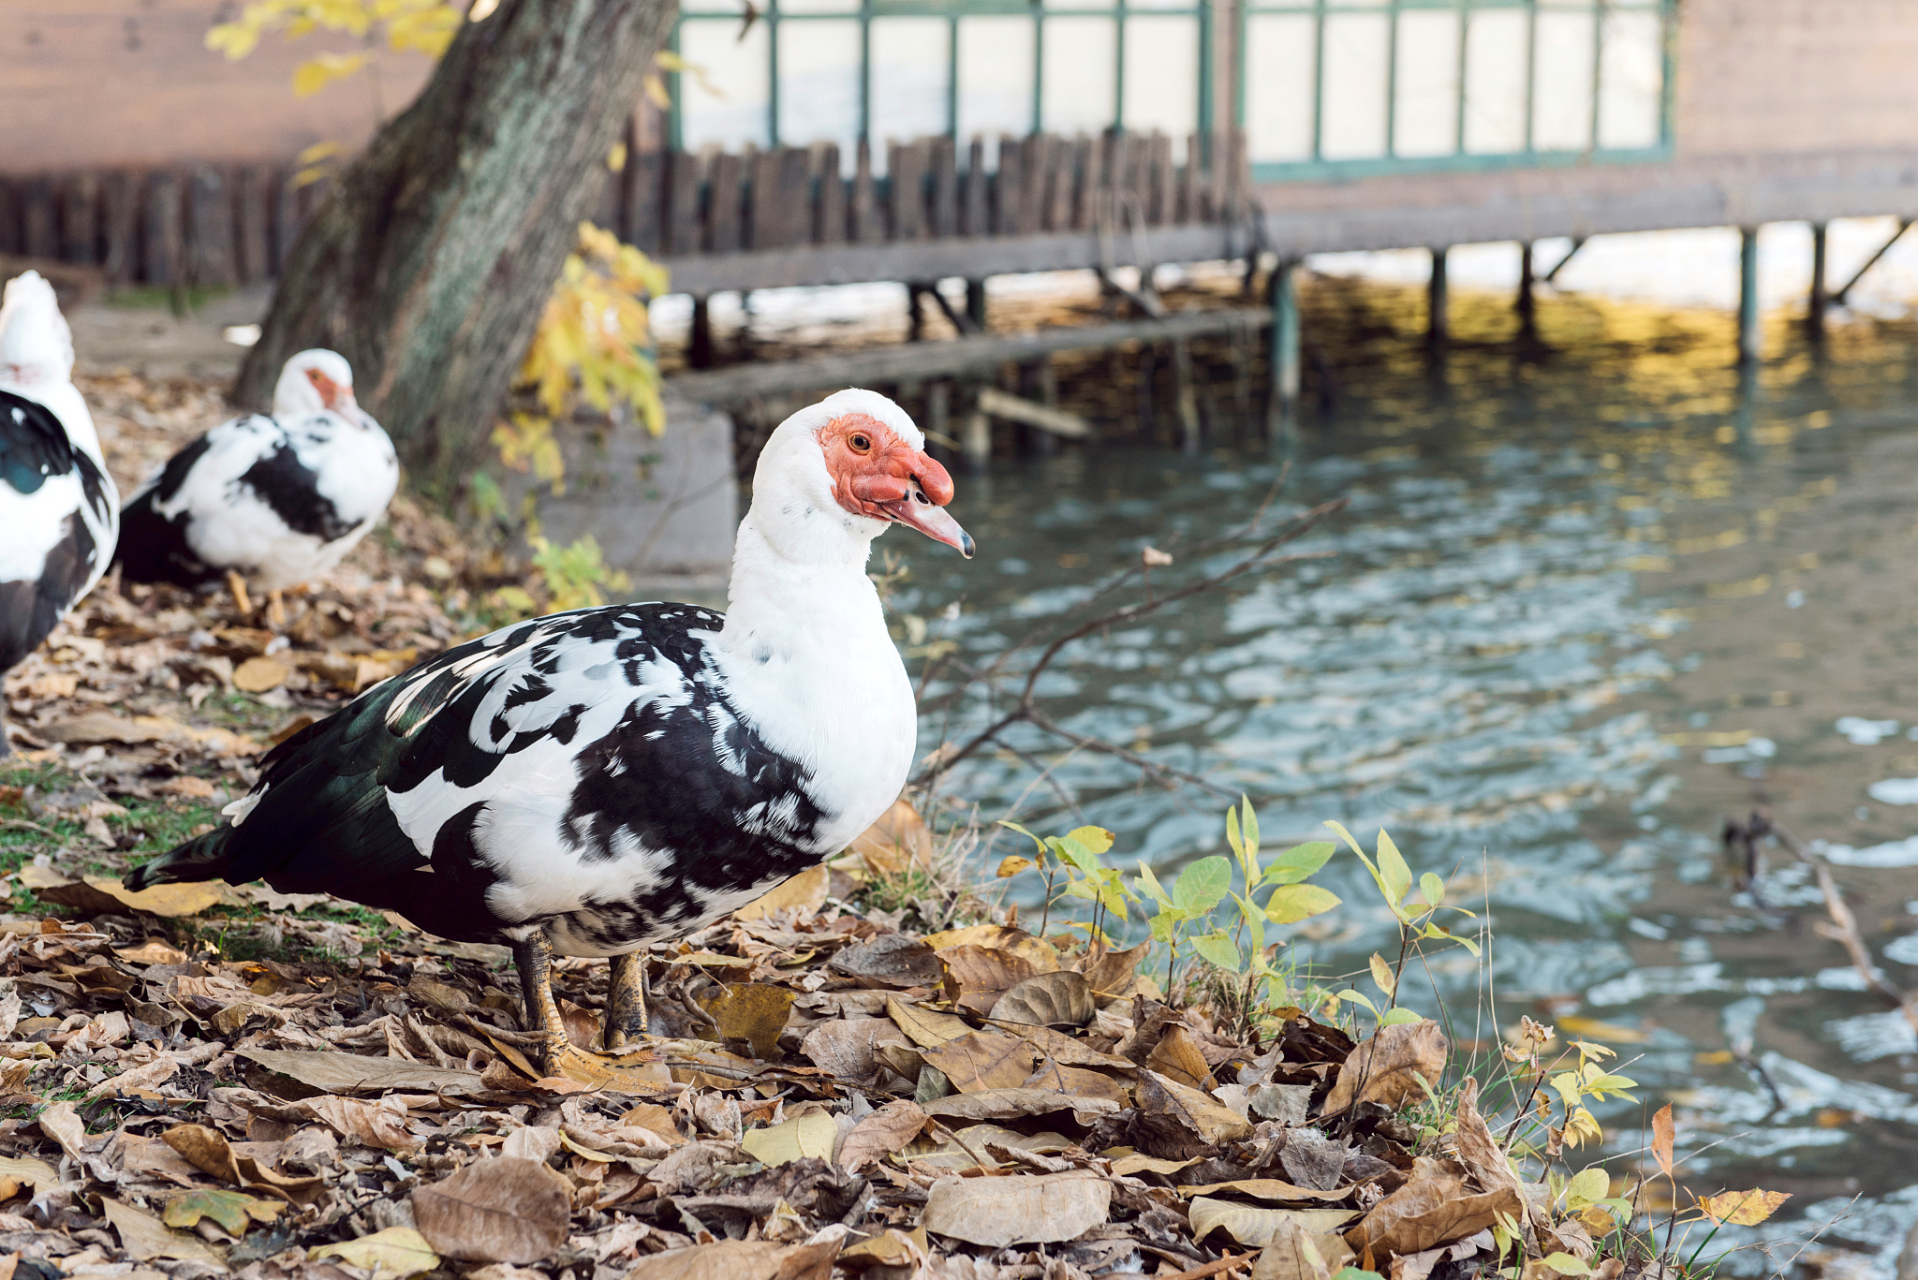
823,1097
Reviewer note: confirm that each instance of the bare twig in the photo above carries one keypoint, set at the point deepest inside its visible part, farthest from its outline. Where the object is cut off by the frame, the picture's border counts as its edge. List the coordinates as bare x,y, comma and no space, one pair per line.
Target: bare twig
1843,928
1024,709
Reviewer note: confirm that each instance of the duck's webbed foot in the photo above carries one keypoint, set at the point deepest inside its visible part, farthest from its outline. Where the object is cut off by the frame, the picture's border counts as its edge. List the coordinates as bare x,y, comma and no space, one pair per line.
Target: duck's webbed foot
557,1055
625,1003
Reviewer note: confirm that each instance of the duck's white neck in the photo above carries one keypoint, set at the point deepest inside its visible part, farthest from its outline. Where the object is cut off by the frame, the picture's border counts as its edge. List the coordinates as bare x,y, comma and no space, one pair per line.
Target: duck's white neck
806,658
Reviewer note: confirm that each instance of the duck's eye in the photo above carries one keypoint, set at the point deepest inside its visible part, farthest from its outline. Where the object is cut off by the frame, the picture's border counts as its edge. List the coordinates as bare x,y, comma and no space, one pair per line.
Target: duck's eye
860,443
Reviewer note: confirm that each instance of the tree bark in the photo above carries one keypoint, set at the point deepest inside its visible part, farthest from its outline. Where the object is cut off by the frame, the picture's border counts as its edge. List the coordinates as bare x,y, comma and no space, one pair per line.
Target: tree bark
429,263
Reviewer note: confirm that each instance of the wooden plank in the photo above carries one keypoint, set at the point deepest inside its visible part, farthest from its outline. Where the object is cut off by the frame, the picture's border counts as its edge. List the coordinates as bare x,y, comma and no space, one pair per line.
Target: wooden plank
829,209
724,201
796,193
1215,179
1058,422
765,226
1161,204
866,225
209,233
163,244
254,220
1138,190
9,217
1186,208
1007,185
680,233
120,225
1092,184
975,217
645,200
80,218
1238,176
906,182
973,257
39,219
1064,164
942,159
921,361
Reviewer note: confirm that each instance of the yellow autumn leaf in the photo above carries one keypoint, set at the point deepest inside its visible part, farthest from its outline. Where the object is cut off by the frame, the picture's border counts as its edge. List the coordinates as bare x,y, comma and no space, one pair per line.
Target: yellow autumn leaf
1012,866
1742,1208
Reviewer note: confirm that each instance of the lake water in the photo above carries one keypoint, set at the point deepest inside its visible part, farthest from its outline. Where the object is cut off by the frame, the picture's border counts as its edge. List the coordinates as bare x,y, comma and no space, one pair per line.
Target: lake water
1581,610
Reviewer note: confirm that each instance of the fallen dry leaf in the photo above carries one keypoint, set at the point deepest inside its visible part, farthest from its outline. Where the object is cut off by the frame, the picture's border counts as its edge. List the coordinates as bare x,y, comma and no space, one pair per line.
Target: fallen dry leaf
499,1210
925,1026
257,675
982,1060
1041,955
1386,1066
145,1237
982,975
1176,1121
740,1260
358,1073
396,1252
234,1210
809,1136
996,1212
898,841
1295,1253
209,1151
1251,1225
1057,999
1272,1189
894,960
881,1133
753,1012
1178,1057
1010,1104
805,893
105,894
1427,1212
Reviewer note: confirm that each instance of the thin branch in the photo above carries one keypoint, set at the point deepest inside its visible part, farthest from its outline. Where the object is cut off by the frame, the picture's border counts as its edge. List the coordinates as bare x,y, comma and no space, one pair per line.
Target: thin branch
1260,557
1843,928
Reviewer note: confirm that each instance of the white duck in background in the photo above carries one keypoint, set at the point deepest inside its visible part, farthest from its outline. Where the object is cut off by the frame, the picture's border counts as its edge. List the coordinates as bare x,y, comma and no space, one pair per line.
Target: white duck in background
595,781
58,506
279,499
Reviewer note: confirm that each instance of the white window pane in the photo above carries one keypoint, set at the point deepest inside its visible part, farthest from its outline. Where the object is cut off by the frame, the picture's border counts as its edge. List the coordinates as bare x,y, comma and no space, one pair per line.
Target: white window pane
819,83
909,69
728,102
1354,109
1562,89
1426,122
1162,75
1053,6
816,6
1495,82
1078,92
1278,87
1631,81
995,76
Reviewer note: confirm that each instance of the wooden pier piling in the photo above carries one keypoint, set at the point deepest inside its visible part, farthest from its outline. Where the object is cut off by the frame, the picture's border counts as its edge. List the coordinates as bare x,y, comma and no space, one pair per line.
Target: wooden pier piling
1750,333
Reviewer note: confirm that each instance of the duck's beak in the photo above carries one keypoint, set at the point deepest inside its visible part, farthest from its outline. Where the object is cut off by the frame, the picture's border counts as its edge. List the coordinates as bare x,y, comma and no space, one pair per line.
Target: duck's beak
922,513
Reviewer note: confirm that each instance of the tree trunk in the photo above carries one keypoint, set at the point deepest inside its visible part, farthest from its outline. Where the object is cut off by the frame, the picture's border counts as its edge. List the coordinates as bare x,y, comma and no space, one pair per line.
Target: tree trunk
429,263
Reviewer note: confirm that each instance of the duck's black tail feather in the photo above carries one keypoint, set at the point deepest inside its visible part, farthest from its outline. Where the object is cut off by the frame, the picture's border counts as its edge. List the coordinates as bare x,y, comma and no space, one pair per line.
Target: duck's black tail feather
201,858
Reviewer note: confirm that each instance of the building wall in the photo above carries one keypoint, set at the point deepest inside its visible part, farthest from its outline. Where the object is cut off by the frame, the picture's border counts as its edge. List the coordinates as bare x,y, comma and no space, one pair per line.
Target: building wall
1797,75
99,83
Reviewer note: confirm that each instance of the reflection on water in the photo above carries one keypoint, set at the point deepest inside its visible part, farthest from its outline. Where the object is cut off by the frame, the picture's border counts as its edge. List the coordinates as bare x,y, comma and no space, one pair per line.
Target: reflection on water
1580,611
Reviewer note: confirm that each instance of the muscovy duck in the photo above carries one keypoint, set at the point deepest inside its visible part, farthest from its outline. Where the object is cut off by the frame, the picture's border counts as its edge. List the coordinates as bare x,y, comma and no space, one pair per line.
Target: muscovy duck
58,505
280,499
593,781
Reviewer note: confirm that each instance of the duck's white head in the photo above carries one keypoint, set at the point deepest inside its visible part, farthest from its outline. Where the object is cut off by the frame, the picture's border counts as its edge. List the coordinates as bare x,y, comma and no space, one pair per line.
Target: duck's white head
316,381
36,347
836,474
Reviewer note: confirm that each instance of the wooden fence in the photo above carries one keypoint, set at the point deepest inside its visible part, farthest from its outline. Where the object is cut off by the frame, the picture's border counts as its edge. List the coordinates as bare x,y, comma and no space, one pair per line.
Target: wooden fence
221,225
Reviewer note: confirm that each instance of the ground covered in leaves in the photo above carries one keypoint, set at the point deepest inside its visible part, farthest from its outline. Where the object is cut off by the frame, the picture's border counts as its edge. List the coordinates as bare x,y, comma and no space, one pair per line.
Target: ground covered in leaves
827,1094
